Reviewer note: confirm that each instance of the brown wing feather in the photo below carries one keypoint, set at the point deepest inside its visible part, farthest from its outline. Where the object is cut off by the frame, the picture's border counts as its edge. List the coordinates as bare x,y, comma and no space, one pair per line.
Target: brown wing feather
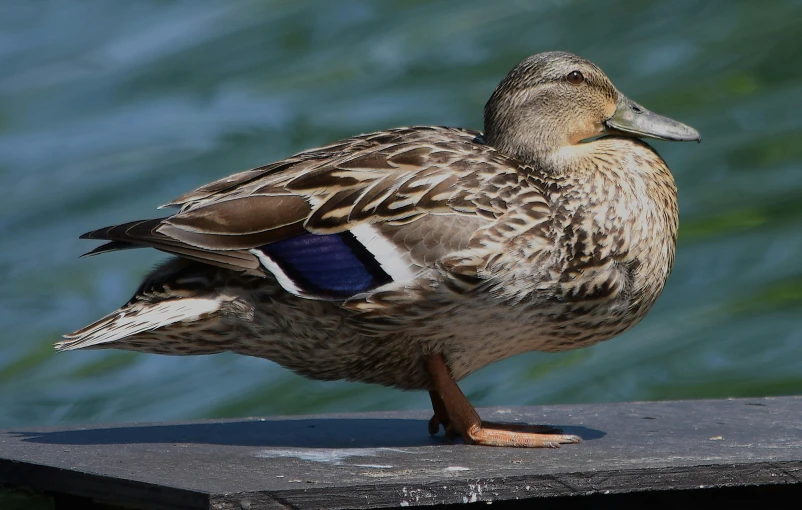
395,178
143,233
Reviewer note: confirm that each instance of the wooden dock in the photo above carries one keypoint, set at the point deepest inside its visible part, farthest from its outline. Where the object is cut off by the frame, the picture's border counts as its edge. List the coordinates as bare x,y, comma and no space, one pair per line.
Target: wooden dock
656,454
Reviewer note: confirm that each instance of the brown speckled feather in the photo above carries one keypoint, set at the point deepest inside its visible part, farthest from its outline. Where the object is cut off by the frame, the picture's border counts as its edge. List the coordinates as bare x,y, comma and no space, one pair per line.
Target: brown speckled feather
395,179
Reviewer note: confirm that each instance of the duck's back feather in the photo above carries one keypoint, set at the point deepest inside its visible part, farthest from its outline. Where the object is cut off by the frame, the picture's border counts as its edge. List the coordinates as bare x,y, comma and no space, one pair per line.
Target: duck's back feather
338,221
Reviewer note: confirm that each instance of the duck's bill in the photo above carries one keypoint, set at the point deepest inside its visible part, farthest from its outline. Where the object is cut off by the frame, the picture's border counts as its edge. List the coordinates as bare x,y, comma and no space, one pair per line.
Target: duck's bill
632,119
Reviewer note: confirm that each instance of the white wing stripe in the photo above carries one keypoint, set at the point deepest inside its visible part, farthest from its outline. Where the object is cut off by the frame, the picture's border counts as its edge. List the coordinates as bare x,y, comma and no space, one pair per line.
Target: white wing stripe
386,253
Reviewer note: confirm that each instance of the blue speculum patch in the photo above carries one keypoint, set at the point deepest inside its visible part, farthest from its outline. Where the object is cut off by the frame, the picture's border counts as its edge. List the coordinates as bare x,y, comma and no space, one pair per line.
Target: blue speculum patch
334,265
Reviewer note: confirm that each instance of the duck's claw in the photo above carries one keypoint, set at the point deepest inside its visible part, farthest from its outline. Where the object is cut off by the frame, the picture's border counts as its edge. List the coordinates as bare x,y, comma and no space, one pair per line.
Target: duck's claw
434,425
440,414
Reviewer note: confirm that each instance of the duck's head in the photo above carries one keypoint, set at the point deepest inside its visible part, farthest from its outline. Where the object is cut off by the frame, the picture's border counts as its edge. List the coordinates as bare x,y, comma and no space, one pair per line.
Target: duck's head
555,101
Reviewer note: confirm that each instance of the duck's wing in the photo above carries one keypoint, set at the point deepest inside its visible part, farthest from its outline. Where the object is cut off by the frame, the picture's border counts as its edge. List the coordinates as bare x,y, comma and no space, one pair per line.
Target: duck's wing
369,213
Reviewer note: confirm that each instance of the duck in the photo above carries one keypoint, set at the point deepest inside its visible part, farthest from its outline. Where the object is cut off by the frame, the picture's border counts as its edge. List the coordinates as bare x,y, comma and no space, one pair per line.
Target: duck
415,256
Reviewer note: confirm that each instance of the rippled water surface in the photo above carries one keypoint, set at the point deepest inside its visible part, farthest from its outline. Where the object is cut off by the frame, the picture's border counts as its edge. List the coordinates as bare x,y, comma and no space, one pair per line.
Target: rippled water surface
108,109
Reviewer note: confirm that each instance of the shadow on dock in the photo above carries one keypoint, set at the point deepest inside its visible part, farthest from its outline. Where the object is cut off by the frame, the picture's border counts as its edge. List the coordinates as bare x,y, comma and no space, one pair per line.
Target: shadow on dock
306,432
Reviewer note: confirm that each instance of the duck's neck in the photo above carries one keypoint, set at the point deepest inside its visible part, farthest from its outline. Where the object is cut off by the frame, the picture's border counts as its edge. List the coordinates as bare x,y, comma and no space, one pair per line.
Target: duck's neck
529,140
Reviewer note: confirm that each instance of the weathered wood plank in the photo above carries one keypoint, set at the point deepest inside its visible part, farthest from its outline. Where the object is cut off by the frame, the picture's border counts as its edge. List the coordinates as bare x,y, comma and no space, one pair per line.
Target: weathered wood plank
387,459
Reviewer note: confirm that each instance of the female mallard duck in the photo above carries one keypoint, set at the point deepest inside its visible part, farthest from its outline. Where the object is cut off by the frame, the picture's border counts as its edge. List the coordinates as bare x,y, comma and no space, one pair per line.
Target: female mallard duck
416,256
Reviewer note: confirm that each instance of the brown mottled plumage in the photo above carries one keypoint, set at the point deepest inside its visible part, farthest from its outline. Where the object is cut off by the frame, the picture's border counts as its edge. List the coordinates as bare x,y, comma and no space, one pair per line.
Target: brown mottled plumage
415,256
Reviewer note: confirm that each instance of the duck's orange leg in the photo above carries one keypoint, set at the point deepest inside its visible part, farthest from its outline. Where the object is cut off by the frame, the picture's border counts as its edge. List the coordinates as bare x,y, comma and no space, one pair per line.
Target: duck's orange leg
457,415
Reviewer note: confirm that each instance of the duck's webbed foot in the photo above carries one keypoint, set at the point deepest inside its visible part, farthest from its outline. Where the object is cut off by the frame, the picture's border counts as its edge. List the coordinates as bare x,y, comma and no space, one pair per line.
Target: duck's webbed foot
458,417
521,427
516,435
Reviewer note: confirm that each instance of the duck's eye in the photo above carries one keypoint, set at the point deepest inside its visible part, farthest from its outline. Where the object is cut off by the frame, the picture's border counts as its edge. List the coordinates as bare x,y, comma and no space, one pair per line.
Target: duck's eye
575,78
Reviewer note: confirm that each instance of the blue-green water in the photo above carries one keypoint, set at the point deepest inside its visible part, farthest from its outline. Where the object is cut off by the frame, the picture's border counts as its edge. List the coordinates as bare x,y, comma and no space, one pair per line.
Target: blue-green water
110,108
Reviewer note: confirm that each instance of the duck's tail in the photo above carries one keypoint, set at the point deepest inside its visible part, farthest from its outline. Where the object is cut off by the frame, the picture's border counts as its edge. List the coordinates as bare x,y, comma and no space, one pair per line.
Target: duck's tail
176,292
131,320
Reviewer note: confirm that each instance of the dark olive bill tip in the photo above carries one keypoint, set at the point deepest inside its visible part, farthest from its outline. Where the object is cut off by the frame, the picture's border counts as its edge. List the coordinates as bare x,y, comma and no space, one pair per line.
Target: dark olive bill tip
688,134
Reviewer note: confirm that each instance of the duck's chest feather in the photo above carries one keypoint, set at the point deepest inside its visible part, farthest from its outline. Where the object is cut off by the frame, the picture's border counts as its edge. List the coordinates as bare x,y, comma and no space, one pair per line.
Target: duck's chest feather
609,241
614,225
